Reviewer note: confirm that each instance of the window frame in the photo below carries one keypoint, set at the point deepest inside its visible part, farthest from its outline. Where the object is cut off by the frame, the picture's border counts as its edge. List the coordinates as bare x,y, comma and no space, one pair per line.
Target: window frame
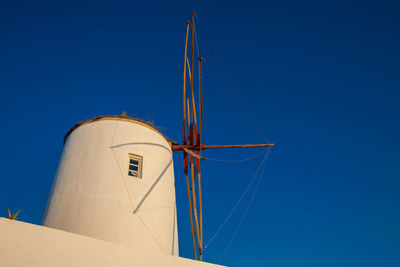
139,159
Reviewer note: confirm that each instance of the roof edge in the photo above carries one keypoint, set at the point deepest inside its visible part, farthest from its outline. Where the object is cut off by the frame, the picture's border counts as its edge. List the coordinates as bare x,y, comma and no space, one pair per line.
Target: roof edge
122,117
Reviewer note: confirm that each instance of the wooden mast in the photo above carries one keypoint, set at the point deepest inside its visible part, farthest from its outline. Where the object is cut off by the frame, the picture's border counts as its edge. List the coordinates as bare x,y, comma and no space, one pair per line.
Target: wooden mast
198,138
193,137
184,138
184,73
191,143
191,67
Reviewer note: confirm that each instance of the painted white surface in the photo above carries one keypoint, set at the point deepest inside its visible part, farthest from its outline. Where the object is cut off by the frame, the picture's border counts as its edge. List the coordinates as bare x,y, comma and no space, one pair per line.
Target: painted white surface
24,244
93,195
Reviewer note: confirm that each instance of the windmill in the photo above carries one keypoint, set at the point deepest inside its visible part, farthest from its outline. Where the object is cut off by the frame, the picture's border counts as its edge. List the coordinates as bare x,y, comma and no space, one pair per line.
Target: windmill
191,143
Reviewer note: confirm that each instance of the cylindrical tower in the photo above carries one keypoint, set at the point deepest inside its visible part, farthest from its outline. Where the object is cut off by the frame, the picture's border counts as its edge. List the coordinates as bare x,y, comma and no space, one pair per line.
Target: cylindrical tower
115,182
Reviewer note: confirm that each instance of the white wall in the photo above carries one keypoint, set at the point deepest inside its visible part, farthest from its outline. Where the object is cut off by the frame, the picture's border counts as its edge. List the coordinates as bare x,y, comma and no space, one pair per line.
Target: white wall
93,195
24,244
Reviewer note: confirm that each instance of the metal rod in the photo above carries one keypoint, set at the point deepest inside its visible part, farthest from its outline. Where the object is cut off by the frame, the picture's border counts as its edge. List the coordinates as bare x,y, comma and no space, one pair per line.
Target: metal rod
203,147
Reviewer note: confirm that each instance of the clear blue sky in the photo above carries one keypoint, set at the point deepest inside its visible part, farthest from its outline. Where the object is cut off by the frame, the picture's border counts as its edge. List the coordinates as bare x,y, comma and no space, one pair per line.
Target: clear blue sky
321,80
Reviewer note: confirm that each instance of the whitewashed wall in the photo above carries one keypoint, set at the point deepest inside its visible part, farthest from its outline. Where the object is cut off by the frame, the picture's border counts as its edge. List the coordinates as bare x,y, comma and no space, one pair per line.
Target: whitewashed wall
93,195
23,244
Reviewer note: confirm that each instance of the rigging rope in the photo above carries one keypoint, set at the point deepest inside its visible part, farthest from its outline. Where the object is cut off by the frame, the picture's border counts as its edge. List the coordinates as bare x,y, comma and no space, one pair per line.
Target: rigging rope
238,103
246,211
197,45
236,100
240,199
237,160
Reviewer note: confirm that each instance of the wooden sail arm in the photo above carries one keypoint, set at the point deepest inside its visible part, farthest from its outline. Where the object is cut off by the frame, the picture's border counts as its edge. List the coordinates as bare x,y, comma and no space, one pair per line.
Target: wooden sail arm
234,146
203,146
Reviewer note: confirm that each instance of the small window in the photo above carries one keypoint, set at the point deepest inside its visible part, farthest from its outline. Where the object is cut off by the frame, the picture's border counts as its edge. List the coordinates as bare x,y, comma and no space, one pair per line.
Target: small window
135,165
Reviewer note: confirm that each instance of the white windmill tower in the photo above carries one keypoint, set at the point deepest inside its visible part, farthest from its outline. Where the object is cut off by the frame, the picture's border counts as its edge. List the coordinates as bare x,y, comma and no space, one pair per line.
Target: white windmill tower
115,182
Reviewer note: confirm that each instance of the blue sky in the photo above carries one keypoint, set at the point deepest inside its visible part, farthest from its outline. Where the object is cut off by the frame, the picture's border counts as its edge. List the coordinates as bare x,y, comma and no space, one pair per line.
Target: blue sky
320,80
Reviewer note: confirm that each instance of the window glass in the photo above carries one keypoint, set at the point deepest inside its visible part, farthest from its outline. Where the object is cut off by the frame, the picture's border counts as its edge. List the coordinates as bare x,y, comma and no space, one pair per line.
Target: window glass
135,166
